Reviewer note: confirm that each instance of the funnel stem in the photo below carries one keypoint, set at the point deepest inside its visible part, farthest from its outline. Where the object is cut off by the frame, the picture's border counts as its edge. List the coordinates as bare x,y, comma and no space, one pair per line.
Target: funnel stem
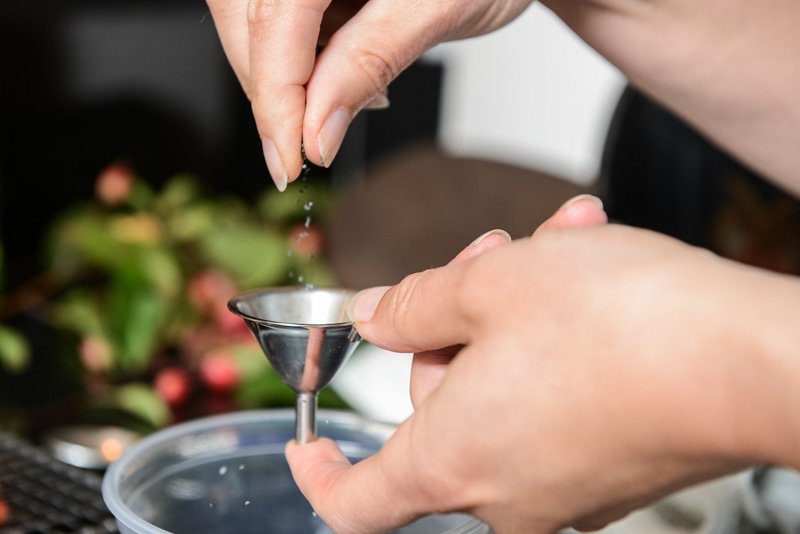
305,426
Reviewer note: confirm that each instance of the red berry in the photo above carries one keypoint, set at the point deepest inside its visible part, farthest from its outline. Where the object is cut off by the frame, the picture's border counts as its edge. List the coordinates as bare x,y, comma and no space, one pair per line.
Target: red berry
305,241
226,321
172,385
96,353
219,372
208,288
5,513
114,184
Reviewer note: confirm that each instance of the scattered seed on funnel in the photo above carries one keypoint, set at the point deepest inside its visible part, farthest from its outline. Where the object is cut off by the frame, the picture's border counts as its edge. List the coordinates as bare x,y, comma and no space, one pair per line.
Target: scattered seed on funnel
247,503
211,505
223,470
241,466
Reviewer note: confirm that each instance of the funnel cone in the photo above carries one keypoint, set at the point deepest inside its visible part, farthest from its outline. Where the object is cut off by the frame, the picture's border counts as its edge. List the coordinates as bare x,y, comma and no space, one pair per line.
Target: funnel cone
306,337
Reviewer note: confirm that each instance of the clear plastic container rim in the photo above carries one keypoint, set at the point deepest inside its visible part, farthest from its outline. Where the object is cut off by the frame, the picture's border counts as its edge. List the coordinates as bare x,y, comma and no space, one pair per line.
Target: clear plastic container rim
124,515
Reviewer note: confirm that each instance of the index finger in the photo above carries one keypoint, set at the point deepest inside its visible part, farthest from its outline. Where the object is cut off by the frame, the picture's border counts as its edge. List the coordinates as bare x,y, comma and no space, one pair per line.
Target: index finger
283,40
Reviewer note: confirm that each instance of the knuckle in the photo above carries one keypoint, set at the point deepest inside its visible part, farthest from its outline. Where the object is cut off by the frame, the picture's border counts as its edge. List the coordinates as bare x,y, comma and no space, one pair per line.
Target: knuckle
259,11
378,69
403,298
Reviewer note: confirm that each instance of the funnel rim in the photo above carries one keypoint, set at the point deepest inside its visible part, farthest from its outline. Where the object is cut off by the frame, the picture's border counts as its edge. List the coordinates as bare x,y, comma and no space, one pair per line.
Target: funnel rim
286,289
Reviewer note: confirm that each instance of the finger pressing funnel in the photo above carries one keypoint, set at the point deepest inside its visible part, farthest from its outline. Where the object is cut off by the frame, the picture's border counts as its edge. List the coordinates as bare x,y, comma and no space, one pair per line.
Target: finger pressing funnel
306,337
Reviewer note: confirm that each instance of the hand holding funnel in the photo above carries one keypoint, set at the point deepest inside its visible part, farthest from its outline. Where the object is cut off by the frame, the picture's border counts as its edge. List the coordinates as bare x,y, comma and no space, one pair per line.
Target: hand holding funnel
306,337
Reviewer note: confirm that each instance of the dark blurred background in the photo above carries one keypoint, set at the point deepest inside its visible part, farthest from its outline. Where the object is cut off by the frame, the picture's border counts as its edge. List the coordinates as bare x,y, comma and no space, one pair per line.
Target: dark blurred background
87,83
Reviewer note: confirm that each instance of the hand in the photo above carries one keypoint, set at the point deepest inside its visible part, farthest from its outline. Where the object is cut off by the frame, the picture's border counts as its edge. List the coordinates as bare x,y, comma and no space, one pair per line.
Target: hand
299,95
590,370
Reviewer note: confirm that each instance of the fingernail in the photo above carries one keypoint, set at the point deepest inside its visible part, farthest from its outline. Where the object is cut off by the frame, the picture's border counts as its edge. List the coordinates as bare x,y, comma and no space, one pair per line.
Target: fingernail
364,303
499,232
331,135
381,101
579,198
274,164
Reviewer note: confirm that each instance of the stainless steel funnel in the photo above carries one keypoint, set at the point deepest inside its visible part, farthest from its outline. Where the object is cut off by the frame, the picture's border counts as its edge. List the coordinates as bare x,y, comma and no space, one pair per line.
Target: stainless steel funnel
306,337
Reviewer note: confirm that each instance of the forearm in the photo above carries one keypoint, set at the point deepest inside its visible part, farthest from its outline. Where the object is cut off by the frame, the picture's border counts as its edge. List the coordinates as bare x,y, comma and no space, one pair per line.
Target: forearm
729,67
739,396
769,376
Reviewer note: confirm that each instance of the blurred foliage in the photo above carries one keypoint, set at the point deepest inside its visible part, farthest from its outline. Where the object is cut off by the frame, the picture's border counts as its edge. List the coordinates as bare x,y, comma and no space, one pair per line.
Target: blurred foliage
139,280
14,350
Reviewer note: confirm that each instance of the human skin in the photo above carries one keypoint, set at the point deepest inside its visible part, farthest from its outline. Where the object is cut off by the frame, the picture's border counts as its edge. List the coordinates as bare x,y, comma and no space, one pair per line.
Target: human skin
587,370
571,377
298,95
727,66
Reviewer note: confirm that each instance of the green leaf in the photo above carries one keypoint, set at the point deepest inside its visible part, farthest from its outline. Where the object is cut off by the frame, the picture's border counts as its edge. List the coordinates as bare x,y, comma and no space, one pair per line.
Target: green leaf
180,190
141,195
160,267
328,398
252,256
250,360
79,312
290,205
136,313
140,400
191,222
86,238
264,389
14,350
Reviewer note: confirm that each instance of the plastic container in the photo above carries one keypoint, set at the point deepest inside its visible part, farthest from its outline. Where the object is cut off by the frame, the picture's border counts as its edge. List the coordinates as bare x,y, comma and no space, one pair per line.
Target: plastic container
228,474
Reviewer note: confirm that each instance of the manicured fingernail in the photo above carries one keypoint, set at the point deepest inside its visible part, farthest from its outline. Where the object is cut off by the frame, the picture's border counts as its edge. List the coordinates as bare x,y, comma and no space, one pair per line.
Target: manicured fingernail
364,303
331,135
579,198
498,232
274,164
381,101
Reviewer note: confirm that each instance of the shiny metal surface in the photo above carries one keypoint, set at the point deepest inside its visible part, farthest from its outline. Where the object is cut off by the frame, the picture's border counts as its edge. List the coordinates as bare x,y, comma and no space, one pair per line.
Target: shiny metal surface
306,337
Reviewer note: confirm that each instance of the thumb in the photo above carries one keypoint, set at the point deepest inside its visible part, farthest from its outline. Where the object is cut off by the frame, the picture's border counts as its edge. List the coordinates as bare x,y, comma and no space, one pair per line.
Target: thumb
378,494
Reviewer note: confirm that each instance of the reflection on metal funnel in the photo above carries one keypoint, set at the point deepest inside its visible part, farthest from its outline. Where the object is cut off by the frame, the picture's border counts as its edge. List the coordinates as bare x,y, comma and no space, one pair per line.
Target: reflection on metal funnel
306,338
